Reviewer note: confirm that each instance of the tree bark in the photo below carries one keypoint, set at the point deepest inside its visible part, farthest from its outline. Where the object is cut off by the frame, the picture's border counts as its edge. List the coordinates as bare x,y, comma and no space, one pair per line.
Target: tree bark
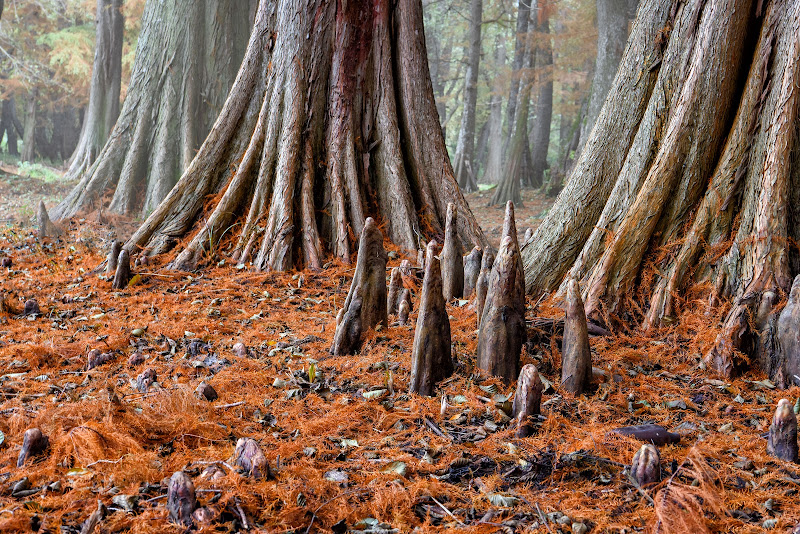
464,167
540,136
327,124
186,60
613,17
699,136
103,108
527,400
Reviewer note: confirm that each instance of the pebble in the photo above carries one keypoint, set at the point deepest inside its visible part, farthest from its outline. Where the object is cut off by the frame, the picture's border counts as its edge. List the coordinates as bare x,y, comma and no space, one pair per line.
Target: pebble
579,528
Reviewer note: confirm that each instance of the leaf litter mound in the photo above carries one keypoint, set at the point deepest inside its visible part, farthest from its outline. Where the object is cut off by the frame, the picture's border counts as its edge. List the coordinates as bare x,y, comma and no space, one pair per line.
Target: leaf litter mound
348,447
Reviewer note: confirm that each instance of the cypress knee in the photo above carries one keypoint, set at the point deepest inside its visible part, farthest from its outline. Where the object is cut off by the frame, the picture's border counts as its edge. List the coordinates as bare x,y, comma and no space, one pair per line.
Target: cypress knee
370,281
528,399
395,286
788,333
113,256
452,260
472,269
482,284
33,443
430,359
181,499
46,227
782,440
576,358
502,328
347,338
249,456
646,466
123,273
405,307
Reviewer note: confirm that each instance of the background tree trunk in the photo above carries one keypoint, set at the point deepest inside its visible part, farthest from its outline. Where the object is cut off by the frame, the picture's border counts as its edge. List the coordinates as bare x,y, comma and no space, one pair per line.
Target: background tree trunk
521,46
700,134
327,124
103,108
540,135
186,60
28,139
494,163
10,125
464,166
613,17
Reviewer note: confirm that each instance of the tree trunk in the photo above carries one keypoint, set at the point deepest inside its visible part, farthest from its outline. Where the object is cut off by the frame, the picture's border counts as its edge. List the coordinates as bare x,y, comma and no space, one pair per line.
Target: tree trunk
28,143
103,109
521,46
700,134
186,60
464,166
327,124
11,126
612,33
494,162
544,100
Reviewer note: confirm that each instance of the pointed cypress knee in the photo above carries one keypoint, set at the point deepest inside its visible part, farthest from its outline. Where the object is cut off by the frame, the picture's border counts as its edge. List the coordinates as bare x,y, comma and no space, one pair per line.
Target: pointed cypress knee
528,399
370,281
472,269
123,273
782,440
181,499
646,466
482,284
395,287
451,258
502,328
430,358
46,227
510,230
113,256
576,357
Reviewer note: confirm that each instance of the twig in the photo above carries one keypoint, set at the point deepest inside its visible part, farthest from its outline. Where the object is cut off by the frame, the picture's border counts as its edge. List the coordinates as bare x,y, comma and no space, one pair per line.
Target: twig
639,488
435,429
245,524
544,519
118,460
231,405
155,498
321,506
448,512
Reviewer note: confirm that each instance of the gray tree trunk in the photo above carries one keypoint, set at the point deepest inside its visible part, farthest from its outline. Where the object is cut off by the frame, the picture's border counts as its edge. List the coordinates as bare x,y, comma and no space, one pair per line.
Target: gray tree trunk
103,108
186,60
331,120
10,125
28,143
540,136
494,162
464,166
613,17
521,45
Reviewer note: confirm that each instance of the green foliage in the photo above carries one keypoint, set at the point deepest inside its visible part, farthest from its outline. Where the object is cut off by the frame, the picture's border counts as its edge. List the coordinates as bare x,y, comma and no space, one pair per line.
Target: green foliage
38,171
71,50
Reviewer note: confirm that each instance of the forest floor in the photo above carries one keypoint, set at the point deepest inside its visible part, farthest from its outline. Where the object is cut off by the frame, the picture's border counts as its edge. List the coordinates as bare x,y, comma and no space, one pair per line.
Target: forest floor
348,447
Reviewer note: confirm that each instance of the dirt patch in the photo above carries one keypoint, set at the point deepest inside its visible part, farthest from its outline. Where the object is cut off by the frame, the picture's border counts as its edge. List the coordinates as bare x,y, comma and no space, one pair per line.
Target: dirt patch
533,209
